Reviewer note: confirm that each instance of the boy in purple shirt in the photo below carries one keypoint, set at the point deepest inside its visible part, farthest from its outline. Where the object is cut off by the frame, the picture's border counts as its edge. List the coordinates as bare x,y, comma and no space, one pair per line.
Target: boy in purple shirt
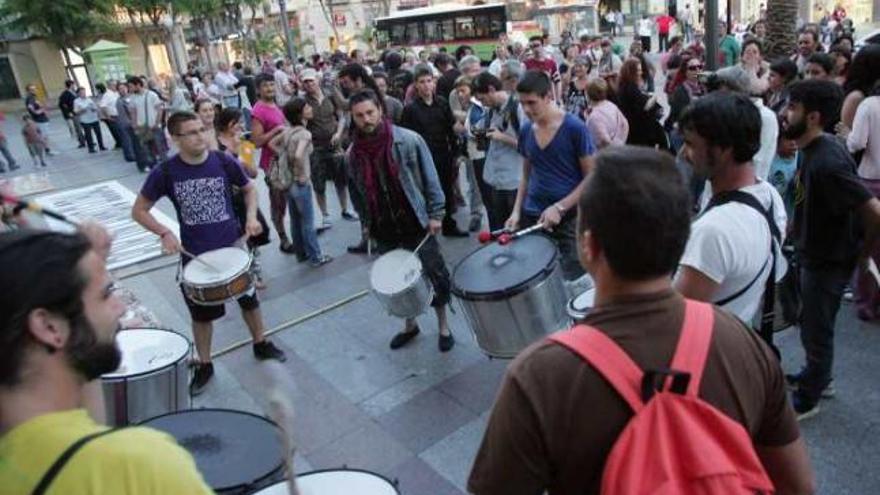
199,184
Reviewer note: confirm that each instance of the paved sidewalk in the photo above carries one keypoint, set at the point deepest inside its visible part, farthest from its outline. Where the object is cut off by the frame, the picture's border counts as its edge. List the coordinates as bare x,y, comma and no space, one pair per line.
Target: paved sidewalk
417,415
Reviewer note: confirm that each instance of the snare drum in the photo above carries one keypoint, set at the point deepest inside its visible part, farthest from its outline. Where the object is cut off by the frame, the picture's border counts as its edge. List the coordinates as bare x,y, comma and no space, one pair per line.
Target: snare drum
512,294
399,283
336,482
151,379
580,306
229,278
237,452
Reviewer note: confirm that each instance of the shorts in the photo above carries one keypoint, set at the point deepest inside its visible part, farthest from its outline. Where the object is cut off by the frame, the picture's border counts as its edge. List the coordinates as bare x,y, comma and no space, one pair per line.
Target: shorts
327,165
432,263
207,314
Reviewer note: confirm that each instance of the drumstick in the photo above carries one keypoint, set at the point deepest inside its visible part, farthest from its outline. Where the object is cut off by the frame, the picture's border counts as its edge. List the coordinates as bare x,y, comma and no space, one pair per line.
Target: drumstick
21,204
196,258
281,411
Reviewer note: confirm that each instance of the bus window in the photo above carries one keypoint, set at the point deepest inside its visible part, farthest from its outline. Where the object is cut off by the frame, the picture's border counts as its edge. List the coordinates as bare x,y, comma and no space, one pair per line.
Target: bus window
464,27
433,31
413,33
497,25
481,26
448,30
398,34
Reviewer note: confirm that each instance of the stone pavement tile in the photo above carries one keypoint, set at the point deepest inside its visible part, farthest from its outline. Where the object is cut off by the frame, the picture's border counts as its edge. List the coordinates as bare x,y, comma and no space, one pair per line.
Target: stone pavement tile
453,456
477,386
425,419
359,372
415,477
316,339
320,413
368,447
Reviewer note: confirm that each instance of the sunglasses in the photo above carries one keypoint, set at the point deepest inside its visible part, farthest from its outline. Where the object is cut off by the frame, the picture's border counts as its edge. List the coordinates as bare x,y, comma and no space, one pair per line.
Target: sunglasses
695,67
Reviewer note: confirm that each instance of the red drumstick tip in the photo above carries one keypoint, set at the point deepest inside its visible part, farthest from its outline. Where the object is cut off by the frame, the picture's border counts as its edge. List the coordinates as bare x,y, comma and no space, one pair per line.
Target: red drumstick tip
484,237
504,239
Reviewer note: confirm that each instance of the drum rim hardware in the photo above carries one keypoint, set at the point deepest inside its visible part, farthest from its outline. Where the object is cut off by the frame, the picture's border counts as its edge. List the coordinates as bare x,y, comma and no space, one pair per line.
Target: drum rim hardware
114,376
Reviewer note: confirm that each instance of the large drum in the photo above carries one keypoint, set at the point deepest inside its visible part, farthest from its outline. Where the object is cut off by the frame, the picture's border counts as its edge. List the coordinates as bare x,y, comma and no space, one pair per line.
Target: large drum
336,482
399,283
237,452
217,276
512,294
152,377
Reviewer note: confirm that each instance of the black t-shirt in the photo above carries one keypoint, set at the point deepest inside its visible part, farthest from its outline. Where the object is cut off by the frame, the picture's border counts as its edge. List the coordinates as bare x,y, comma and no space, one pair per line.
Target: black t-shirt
828,193
446,83
433,122
32,104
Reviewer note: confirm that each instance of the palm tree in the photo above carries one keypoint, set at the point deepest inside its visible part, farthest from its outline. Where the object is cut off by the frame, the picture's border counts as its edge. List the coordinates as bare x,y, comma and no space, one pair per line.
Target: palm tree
781,27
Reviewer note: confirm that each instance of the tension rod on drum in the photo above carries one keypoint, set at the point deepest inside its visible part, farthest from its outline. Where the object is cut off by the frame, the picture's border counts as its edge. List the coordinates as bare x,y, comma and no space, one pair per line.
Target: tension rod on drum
296,321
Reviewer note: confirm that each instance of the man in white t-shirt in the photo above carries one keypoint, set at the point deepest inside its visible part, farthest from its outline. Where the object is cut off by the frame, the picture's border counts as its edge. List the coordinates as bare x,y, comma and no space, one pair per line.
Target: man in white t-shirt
146,118
728,257
228,85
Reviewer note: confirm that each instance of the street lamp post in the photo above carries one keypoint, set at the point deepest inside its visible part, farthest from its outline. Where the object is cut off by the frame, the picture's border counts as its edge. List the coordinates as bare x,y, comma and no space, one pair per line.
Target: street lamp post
711,37
288,43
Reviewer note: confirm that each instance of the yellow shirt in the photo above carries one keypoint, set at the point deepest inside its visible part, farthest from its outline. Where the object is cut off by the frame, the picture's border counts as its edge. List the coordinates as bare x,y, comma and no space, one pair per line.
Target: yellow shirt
132,461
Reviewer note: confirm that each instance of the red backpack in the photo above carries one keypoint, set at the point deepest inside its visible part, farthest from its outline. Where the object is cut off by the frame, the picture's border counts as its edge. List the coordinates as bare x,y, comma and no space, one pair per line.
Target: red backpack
676,443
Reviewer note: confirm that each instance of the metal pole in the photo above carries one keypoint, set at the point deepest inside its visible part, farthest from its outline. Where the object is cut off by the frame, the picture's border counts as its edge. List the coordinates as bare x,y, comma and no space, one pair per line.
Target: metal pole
288,44
711,37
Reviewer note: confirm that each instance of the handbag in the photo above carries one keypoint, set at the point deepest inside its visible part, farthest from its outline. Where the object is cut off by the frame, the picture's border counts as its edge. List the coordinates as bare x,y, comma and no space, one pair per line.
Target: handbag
280,175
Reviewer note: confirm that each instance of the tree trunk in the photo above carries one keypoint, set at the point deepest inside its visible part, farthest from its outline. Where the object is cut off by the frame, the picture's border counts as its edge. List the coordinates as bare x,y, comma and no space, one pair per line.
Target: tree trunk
781,28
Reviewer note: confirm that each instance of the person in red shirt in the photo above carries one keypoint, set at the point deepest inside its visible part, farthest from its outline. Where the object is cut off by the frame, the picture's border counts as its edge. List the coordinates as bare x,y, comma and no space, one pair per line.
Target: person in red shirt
539,60
664,22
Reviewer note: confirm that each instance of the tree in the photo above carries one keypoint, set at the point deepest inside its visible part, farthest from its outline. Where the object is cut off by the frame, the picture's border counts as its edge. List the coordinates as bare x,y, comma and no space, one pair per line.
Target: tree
781,27
68,24
201,17
146,17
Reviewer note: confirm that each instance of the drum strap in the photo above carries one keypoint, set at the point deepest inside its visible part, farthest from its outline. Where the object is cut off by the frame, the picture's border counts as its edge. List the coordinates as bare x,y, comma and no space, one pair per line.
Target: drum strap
62,460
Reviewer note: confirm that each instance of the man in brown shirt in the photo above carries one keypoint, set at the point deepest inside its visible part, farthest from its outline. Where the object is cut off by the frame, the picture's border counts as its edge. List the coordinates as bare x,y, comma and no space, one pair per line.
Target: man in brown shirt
555,418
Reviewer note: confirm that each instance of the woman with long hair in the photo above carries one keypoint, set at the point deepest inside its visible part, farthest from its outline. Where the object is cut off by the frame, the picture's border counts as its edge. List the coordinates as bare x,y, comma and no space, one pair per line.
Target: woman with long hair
295,142
687,90
229,129
640,108
752,61
207,111
863,74
574,95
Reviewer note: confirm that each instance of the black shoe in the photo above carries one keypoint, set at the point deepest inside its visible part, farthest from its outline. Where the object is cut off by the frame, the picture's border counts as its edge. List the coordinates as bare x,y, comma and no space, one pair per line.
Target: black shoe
103,149
445,342
92,151
451,230
358,248
201,376
323,260
301,258
351,217
81,146
403,338
267,350
804,408
794,380
287,248
14,166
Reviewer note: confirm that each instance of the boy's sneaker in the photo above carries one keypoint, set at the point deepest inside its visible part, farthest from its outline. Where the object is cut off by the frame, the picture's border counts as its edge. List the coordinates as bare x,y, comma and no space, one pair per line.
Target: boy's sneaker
803,407
267,350
351,217
201,377
794,380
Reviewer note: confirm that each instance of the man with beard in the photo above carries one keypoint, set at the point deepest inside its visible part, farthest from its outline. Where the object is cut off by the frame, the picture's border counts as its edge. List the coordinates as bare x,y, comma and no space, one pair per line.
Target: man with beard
396,191
832,209
57,337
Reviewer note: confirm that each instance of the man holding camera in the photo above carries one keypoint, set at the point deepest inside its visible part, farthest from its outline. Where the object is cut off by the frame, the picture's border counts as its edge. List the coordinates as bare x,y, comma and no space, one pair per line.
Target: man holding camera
502,171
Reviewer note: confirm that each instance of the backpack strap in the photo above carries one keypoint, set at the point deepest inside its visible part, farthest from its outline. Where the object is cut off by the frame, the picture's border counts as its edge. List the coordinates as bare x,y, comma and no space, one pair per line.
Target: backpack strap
607,358
63,459
693,343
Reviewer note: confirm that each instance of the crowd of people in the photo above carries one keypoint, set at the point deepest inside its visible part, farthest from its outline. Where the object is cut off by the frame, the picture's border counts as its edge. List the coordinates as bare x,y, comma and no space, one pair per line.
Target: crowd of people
657,180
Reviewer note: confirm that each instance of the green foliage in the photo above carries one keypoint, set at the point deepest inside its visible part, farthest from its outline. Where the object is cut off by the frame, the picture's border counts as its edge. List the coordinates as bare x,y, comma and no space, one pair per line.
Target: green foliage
66,23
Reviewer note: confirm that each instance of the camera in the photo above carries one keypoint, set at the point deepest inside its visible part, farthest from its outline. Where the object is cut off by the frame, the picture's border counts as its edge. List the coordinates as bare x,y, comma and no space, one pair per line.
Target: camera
481,139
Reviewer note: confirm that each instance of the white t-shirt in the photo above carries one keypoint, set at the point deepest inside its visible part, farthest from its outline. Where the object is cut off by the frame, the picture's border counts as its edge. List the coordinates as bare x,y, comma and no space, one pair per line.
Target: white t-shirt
730,244
146,106
769,135
86,109
108,103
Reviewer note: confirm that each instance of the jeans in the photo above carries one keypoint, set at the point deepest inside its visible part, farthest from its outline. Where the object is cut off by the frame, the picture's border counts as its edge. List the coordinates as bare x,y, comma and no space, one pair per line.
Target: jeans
821,292
152,147
93,131
113,127
303,235
4,149
500,206
128,142
564,236
662,42
476,186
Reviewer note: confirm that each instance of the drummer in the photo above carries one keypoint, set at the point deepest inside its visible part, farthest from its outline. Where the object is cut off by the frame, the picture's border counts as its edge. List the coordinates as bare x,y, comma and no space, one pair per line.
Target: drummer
58,320
199,184
557,148
395,188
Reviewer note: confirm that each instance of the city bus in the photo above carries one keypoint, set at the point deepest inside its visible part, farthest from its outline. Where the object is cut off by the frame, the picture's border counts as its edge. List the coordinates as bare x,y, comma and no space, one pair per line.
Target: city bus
444,25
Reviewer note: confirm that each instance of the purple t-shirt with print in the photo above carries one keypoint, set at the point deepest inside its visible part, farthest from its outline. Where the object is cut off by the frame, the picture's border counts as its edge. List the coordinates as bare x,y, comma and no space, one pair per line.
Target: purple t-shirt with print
202,196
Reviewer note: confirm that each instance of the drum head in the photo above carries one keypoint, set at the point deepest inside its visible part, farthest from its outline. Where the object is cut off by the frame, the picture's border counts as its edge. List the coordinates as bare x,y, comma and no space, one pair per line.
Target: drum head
500,271
394,271
344,482
579,307
227,261
232,449
146,350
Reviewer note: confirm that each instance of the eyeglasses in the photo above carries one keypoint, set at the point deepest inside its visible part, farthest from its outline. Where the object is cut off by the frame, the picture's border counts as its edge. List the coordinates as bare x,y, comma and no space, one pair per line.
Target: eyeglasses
193,133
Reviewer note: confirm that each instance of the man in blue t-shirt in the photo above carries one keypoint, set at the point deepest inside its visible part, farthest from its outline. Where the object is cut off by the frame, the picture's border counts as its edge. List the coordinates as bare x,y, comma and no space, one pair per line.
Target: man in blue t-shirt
199,184
557,147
